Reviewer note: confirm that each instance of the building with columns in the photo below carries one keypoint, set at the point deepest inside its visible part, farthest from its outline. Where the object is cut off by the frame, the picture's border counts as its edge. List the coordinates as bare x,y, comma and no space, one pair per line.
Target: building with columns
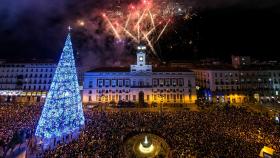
139,83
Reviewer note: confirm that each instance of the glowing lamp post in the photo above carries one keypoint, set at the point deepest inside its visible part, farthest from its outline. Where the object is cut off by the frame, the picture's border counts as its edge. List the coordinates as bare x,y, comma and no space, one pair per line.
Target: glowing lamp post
277,119
102,96
161,97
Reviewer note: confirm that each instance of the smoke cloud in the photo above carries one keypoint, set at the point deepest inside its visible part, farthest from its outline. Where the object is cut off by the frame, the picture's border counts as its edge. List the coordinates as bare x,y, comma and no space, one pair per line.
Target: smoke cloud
38,28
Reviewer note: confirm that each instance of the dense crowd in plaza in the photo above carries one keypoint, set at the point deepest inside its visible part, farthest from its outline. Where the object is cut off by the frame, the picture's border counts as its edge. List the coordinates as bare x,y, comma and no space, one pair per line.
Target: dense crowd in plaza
231,132
14,119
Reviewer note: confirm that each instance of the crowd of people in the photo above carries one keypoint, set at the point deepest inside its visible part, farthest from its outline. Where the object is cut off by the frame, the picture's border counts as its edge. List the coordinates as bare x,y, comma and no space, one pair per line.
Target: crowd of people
15,118
219,132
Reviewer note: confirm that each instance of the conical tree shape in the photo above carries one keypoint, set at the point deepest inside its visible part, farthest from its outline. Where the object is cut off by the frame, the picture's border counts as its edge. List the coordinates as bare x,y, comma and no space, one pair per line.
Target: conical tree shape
62,113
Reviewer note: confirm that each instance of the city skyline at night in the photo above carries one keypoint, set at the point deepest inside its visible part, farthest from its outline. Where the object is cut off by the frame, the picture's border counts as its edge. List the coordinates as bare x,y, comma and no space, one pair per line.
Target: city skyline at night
140,78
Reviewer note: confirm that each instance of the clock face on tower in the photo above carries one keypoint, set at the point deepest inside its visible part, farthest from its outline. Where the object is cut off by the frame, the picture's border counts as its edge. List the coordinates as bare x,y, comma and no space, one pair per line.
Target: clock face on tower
140,58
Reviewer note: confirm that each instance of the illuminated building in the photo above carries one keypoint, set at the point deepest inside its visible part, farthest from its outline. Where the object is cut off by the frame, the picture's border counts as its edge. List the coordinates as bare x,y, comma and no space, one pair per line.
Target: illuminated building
238,85
139,83
62,113
25,81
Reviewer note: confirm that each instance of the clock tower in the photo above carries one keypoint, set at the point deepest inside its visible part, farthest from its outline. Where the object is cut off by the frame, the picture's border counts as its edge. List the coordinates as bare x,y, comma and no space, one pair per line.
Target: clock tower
141,61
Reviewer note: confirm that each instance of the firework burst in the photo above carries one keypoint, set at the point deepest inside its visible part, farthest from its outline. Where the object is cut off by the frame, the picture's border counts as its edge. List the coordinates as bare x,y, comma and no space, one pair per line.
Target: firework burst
143,22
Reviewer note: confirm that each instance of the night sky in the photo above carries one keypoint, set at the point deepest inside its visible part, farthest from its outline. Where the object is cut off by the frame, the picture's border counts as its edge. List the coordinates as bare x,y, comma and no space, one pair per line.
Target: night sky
37,29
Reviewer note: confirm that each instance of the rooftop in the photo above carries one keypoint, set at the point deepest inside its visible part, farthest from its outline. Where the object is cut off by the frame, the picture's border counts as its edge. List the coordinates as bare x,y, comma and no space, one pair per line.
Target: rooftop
28,61
243,68
127,69
111,69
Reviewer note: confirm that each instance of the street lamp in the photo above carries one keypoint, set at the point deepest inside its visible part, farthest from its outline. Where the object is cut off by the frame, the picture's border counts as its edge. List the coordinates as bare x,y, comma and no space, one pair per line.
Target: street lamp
161,97
102,96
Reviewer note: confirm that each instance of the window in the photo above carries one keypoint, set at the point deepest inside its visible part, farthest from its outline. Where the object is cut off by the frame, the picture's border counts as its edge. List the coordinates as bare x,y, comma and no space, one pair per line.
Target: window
120,83
161,82
114,83
107,83
127,83
167,82
147,84
134,83
155,82
134,97
189,83
181,83
174,82
222,82
89,92
100,83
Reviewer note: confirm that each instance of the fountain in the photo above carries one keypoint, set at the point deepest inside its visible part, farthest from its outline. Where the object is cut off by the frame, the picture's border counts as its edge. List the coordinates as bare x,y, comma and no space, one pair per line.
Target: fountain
146,147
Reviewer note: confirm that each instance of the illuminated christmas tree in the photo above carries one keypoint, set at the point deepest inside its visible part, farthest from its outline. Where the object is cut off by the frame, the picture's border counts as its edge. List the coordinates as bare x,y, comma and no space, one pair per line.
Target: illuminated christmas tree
62,113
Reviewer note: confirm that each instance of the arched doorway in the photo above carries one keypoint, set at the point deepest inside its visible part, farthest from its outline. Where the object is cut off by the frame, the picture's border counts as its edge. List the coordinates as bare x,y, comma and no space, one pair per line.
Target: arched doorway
141,97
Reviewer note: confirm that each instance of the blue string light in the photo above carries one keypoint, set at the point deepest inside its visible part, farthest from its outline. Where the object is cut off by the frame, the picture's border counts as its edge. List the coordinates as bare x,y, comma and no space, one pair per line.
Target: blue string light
62,113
